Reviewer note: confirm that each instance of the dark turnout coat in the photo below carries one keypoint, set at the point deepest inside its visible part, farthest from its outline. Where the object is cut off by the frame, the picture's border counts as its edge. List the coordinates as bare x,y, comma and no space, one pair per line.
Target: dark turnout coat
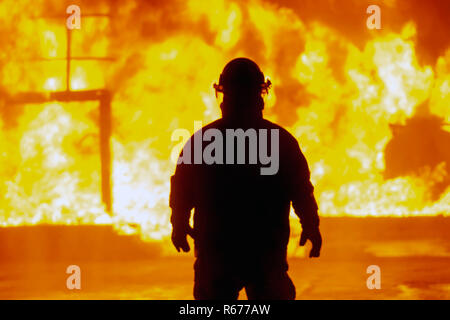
236,208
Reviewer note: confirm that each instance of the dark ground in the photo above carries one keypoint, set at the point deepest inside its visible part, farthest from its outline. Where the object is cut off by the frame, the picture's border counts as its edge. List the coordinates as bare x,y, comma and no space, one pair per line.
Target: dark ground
413,254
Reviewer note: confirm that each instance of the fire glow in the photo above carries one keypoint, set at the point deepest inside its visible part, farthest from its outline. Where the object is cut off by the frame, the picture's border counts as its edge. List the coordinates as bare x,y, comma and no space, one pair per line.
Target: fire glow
349,106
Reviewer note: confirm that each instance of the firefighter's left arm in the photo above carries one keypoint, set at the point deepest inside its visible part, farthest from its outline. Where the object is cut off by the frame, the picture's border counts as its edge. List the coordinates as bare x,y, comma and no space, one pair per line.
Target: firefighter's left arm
303,200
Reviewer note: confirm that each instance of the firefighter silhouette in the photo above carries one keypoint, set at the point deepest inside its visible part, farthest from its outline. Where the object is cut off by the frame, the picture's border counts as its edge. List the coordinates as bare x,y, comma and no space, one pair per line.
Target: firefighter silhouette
241,217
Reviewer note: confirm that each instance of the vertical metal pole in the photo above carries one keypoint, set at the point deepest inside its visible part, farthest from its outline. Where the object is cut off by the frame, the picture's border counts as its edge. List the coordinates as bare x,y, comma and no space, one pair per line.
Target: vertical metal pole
68,56
105,149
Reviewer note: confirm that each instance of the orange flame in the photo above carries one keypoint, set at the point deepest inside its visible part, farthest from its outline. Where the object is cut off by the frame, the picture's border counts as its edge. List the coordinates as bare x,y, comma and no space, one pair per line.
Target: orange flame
337,98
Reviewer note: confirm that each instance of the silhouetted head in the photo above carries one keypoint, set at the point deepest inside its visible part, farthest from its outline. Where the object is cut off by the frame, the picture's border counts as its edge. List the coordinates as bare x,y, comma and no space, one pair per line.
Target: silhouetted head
242,84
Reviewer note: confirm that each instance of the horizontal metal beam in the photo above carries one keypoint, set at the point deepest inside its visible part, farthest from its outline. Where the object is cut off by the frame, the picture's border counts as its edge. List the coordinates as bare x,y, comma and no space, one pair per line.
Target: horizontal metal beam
64,16
63,96
73,58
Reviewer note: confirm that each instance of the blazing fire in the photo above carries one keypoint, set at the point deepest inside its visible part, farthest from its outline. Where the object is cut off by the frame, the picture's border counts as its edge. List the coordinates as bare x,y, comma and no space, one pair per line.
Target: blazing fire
371,119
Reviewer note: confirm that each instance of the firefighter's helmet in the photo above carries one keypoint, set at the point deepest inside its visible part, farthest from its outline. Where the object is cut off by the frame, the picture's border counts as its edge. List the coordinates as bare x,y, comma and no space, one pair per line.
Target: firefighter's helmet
242,76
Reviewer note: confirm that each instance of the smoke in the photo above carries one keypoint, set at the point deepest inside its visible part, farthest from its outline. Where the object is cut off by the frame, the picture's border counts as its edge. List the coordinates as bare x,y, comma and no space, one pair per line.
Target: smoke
349,19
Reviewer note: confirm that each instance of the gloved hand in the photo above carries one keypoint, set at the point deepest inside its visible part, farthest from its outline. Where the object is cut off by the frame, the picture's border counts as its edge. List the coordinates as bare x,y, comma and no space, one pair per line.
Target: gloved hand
316,239
179,238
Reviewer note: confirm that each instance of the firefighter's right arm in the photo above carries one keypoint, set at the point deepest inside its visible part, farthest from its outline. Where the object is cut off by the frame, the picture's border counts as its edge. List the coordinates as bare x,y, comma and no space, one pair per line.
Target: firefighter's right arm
181,203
